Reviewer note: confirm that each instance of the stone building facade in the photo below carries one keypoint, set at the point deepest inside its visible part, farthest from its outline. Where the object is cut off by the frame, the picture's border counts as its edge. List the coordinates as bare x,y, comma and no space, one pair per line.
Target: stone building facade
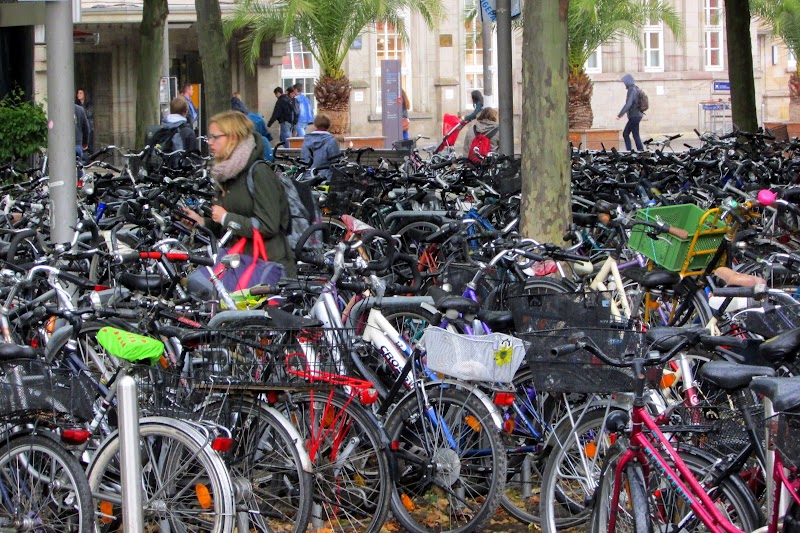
440,69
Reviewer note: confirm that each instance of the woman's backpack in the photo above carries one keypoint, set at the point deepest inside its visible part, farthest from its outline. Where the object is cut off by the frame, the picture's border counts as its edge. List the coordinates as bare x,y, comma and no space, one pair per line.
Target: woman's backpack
481,145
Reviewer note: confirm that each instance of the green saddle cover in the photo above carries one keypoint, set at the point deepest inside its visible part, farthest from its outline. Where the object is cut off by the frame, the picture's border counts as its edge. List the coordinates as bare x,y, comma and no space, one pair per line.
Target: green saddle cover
130,346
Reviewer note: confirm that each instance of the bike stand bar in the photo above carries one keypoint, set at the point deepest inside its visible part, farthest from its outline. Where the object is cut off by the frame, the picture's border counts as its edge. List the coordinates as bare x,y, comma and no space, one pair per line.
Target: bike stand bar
130,459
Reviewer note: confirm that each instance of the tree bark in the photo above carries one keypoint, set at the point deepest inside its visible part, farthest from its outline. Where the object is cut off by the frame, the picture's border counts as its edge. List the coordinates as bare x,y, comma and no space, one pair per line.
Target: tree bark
151,44
546,201
214,58
740,65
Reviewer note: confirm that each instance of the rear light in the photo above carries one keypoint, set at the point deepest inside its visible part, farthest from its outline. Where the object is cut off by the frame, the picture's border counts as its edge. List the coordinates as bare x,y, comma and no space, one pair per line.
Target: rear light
222,444
272,396
368,396
75,436
395,445
503,399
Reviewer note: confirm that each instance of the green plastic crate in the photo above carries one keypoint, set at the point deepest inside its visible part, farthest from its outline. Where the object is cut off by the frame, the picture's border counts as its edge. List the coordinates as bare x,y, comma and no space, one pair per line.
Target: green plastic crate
669,251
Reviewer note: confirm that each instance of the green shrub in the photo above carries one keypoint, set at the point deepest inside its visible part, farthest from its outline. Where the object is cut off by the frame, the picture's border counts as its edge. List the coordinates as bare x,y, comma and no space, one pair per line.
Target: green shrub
23,127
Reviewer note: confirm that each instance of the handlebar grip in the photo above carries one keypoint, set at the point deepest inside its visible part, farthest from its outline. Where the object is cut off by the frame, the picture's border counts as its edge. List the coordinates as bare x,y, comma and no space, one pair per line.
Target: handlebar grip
604,218
564,349
711,340
129,258
439,166
201,260
354,286
75,280
678,232
740,292
130,314
263,290
416,276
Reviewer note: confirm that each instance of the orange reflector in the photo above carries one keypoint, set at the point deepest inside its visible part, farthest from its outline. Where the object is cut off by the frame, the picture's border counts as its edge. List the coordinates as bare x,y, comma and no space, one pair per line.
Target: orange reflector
75,436
508,425
328,417
203,496
358,479
668,380
106,512
222,444
407,503
590,449
473,422
503,399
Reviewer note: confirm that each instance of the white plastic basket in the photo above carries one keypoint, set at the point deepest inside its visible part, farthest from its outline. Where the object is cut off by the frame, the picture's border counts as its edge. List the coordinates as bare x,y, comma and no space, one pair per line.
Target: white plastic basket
495,357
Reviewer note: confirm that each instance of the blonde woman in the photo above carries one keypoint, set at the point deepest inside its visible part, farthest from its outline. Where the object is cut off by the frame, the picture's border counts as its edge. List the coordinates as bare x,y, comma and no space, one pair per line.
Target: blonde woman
235,146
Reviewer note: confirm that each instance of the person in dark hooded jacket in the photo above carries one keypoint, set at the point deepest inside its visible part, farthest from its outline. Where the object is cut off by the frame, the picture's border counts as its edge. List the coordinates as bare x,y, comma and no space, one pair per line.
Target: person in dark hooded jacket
320,147
631,107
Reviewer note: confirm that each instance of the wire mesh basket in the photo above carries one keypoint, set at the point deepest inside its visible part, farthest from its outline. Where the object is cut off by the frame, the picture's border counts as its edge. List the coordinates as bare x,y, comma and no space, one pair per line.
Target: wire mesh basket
784,433
345,188
718,429
580,371
769,322
492,358
550,311
30,389
258,358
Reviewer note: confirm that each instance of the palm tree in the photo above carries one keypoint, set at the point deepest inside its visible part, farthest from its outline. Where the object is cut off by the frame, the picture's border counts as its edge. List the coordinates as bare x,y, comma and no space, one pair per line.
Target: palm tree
326,28
784,17
594,22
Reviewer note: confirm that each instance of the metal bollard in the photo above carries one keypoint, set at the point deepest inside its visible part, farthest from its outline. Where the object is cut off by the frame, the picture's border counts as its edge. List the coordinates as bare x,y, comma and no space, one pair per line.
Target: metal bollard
130,460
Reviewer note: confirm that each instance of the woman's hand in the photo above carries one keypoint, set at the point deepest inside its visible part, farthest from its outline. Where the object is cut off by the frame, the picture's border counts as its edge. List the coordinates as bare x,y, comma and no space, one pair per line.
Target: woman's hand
218,213
193,216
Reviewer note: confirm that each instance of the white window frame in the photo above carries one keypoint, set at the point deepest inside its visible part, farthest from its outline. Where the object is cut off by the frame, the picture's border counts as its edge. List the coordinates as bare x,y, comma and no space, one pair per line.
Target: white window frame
472,37
791,61
598,68
709,31
293,46
654,29
402,54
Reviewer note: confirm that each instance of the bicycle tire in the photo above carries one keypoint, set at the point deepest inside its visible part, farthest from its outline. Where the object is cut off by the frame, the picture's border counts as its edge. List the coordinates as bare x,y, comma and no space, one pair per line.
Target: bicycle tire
179,457
350,493
44,483
731,497
631,512
264,453
572,470
475,473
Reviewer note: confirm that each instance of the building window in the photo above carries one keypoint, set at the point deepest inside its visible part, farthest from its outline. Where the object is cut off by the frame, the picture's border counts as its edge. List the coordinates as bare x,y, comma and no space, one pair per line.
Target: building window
388,45
473,53
654,47
594,65
713,34
791,61
299,67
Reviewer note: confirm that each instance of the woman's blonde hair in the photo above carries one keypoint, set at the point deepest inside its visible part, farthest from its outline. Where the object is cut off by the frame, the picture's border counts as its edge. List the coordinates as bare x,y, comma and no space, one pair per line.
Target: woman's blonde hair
236,126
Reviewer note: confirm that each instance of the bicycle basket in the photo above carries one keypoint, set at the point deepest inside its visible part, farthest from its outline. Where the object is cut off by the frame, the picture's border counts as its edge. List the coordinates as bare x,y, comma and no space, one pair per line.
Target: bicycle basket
784,432
493,358
669,251
580,371
716,428
550,311
31,389
405,146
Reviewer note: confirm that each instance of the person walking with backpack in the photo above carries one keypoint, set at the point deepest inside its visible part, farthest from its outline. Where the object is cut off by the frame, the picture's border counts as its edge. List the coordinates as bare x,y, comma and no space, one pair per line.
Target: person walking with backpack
483,135
634,113
283,113
236,147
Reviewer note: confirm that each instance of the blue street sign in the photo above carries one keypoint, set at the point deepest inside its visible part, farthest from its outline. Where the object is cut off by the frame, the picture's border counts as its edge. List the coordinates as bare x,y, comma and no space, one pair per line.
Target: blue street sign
722,86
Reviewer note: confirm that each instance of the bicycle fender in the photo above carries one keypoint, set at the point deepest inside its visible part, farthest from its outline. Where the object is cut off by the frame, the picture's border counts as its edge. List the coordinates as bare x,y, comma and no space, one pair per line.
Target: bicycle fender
485,399
295,436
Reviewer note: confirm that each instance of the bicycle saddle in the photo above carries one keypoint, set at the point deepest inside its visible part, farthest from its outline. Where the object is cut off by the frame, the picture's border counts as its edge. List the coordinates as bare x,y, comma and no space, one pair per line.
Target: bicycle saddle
149,283
665,338
784,392
780,347
9,352
732,376
651,279
444,301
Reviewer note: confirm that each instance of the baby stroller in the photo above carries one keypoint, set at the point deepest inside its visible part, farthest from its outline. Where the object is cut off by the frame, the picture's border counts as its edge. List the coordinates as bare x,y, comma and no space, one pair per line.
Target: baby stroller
451,127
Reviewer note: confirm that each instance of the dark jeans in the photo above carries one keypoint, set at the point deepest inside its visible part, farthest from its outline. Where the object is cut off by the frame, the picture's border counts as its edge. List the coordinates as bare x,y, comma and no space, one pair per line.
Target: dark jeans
632,127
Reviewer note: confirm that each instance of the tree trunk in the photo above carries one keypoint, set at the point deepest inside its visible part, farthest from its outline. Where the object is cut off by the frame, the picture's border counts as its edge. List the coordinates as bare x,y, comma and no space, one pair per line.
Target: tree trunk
740,65
580,112
214,59
546,201
151,45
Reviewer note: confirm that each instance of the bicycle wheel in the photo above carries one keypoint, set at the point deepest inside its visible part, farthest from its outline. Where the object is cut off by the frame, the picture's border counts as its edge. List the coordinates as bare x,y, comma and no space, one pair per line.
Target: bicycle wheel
43,488
573,468
352,477
185,485
264,454
447,480
667,508
631,510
